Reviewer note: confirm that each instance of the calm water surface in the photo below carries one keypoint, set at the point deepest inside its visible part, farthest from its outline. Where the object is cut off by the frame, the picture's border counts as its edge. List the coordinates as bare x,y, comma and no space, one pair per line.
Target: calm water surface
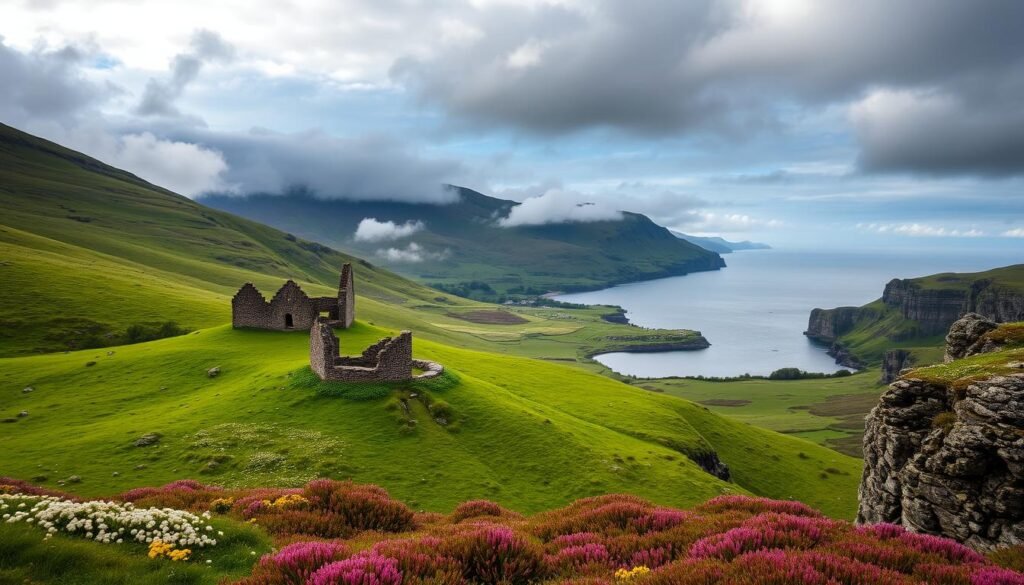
755,311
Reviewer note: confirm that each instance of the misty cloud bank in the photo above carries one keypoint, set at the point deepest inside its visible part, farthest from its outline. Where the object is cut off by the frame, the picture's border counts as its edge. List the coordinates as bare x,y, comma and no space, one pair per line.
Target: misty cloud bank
557,206
372,230
411,254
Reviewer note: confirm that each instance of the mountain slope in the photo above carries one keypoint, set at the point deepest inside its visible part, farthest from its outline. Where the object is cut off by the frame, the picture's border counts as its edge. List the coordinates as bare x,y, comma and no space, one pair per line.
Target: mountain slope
461,243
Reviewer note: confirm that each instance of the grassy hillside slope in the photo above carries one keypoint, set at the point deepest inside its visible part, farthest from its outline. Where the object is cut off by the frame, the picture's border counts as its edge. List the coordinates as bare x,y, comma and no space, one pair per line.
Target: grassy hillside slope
525,433
515,260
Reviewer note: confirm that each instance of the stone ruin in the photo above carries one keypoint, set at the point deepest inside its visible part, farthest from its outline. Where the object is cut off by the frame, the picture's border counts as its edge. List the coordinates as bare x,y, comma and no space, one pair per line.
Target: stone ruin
388,360
291,309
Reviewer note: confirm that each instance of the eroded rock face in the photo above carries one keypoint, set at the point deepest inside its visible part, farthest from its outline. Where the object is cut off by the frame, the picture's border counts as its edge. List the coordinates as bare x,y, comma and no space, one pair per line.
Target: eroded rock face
939,460
966,337
893,362
827,324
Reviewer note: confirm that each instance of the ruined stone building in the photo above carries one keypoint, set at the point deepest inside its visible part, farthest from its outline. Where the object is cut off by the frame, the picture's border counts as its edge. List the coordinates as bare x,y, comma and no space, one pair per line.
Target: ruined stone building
388,360
292,309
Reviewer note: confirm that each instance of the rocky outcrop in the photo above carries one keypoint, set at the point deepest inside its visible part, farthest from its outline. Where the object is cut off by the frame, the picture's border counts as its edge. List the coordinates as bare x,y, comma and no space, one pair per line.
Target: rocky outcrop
893,362
709,462
949,460
935,309
967,337
826,325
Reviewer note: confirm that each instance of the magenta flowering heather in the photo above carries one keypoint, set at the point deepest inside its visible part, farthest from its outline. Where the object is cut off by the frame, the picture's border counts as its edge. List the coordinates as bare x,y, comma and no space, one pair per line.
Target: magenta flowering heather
295,563
363,569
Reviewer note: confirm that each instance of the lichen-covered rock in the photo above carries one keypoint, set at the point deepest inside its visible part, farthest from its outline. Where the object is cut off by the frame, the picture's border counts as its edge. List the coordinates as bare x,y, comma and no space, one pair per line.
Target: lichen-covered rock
966,336
949,461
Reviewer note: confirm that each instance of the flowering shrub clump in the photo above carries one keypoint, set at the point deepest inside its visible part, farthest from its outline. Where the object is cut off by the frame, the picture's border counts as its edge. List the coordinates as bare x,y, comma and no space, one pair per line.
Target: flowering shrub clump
159,548
627,574
477,508
295,563
108,522
340,533
364,569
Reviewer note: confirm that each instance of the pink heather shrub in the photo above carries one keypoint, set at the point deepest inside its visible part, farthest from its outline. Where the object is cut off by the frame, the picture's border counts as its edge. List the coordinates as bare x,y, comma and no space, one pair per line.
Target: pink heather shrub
360,507
996,576
497,554
574,539
755,506
9,485
767,531
184,494
689,572
422,560
579,558
295,563
476,508
605,514
362,569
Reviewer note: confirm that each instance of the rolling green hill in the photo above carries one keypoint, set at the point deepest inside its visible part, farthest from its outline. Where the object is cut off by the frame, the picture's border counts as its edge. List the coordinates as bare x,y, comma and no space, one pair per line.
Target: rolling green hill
88,246
461,243
525,433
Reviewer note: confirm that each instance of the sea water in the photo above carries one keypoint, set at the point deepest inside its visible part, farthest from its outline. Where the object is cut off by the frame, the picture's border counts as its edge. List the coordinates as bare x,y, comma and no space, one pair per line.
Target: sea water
754,312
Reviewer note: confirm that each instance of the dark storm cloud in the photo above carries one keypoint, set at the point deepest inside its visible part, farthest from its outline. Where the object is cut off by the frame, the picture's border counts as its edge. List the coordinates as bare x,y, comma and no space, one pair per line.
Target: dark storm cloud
159,96
366,168
661,67
46,85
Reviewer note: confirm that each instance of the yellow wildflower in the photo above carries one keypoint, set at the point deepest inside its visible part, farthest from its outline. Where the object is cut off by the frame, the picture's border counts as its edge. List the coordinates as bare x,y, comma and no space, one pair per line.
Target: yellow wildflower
627,574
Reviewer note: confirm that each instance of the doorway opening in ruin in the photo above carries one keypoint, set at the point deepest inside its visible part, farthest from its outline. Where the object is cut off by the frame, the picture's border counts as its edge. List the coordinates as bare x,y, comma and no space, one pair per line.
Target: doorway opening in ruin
288,323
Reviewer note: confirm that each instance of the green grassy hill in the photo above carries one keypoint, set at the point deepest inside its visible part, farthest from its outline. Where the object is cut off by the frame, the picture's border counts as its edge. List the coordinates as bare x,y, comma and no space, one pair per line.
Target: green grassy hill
522,432
88,251
520,260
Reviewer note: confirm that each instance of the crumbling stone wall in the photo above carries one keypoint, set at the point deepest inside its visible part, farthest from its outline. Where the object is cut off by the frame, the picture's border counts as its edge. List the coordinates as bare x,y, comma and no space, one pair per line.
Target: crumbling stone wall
291,308
389,359
346,304
250,309
949,461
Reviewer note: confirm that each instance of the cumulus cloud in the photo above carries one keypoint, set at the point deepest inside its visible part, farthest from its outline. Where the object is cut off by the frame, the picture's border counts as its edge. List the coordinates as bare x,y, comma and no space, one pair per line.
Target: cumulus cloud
921,230
939,132
372,230
1014,233
160,95
411,254
47,86
558,206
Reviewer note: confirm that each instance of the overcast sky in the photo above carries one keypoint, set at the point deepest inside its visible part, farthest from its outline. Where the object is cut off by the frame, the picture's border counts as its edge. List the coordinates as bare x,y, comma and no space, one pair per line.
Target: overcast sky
796,122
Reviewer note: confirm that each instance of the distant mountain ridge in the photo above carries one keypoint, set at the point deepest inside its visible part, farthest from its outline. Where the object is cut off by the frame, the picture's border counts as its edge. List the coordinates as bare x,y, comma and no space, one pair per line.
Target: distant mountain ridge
462,250
720,245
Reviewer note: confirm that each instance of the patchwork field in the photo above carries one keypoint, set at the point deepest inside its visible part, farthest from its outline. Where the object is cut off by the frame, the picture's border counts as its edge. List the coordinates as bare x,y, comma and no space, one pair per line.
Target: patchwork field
827,411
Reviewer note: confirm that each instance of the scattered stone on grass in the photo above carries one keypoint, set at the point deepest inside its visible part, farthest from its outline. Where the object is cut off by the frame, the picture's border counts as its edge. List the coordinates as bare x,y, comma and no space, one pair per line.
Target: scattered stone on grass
147,440
213,372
